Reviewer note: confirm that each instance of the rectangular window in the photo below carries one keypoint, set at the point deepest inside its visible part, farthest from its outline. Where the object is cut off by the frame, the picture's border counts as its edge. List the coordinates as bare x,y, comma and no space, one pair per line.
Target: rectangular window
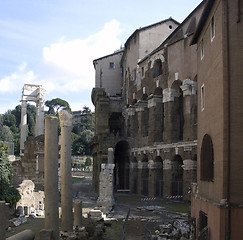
202,97
142,71
212,28
202,49
112,65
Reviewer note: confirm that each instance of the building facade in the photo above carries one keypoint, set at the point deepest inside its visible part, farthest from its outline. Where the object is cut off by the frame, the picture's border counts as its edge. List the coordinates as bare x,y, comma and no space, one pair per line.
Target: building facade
152,124
217,200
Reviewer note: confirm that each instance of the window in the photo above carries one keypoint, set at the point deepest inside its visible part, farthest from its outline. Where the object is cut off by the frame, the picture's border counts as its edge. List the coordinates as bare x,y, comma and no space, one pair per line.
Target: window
135,75
157,70
142,71
212,28
112,65
207,159
202,97
202,49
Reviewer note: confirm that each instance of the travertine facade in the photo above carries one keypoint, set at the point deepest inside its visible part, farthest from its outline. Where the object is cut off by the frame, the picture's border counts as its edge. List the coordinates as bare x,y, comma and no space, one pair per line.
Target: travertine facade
152,125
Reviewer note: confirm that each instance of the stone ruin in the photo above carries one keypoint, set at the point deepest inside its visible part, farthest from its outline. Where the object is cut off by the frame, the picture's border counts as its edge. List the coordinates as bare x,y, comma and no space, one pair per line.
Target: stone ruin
106,200
31,201
32,93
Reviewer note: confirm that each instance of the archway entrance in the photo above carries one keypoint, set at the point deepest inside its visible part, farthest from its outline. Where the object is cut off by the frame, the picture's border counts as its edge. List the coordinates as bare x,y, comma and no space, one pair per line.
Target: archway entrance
177,176
122,165
158,164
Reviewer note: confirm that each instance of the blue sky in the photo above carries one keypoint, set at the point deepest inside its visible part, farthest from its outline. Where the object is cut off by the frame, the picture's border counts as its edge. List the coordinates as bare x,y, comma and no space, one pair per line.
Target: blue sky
53,42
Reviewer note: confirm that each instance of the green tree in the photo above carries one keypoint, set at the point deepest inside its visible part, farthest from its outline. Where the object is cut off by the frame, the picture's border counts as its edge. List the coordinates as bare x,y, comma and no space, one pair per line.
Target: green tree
6,134
7,192
88,162
57,104
17,113
31,112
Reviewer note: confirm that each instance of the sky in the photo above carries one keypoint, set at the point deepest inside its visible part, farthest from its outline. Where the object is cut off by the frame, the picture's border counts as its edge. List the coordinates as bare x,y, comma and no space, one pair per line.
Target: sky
53,42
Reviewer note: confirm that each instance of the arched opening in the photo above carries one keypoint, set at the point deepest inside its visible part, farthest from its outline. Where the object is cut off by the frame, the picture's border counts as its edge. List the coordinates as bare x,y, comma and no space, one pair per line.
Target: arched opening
177,176
134,175
116,123
178,110
121,165
158,165
157,69
158,91
207,159
145,175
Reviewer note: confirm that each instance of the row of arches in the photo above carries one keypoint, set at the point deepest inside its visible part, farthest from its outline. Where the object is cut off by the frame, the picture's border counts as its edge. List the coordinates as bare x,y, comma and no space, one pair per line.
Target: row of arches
147,177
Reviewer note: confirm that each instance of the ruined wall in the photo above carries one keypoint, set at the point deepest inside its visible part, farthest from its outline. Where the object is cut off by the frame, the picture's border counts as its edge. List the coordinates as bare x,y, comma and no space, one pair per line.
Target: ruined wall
31,165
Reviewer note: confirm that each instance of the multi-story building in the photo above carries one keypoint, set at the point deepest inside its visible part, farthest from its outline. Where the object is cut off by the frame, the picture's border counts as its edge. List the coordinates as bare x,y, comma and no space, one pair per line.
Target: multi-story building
217,201
152,123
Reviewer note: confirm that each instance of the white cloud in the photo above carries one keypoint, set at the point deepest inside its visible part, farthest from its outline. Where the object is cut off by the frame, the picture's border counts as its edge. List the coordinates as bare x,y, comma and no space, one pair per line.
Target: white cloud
16,80
66,68
75,58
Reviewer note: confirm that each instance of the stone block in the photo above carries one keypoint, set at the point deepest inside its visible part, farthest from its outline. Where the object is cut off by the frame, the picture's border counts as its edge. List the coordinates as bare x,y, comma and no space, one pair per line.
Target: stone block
46,234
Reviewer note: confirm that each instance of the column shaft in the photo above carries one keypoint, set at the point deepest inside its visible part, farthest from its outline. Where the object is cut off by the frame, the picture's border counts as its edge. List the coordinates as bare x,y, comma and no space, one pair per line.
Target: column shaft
51,176
66,173
23,128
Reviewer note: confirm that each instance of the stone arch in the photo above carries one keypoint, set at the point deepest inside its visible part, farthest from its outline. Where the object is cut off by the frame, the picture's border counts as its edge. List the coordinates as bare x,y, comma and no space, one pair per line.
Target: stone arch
177,110
145,175
158,91
158,176
177,176
207,159
121,160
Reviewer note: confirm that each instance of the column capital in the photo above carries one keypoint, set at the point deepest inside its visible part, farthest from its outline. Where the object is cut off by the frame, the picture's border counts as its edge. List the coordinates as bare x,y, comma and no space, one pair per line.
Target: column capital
189,87
169,95
65,118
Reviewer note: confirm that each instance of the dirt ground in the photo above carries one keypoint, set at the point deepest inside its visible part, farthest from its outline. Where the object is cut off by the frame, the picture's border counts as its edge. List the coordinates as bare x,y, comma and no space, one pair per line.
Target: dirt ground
144,215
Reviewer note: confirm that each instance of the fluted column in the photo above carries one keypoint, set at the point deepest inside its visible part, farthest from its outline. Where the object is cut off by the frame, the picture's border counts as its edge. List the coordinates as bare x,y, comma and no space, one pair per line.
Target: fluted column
66,174
23,126
51,176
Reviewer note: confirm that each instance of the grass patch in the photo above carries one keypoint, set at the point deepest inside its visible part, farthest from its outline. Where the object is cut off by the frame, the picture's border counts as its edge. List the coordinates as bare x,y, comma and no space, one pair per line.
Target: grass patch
114,231
78,179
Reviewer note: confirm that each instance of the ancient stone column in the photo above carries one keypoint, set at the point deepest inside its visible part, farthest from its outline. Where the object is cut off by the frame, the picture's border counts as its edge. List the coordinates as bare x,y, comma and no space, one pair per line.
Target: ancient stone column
39,127
51,176
3,218
78,213
110,156
66,174
23,126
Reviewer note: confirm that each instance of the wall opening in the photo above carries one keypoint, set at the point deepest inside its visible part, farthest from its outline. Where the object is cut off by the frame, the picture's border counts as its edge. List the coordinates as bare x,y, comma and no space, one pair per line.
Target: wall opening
158,176
177,176
145,175
121,165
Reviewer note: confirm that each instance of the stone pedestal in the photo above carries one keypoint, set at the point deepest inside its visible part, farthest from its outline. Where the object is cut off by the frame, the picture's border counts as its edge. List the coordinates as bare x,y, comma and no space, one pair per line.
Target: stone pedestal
51,176
66,173
106,198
